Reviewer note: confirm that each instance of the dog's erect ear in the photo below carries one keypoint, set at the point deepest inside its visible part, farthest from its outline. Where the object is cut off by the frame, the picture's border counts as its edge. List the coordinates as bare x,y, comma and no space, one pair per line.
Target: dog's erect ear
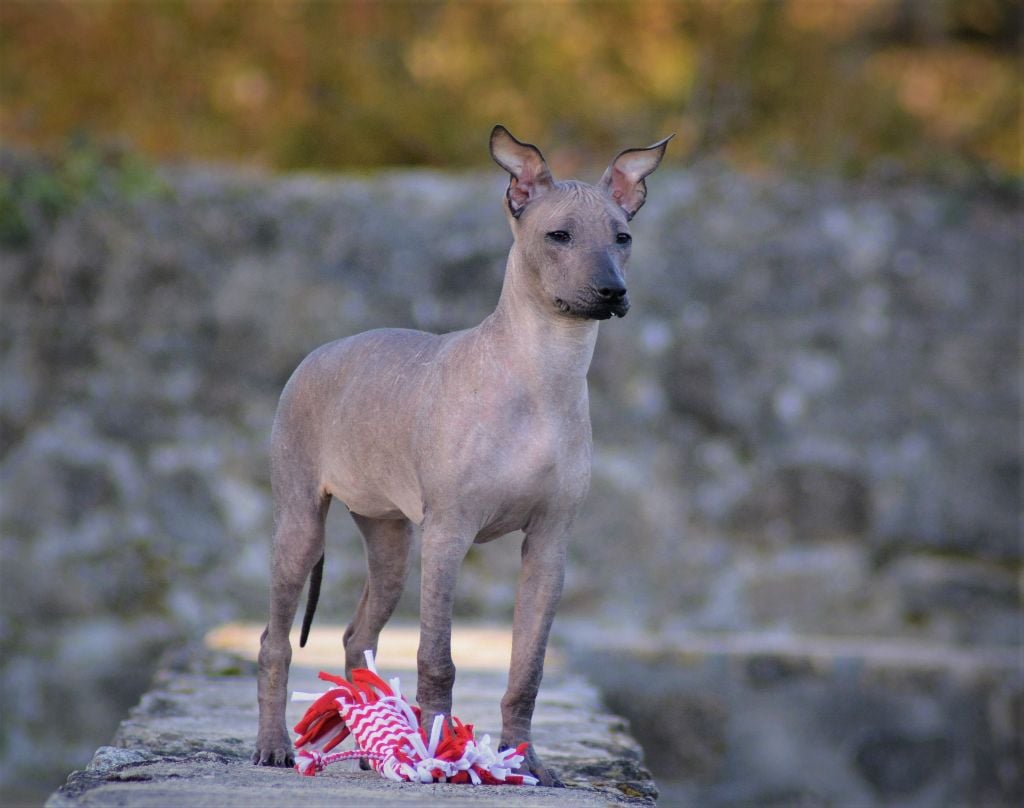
624,179
530,175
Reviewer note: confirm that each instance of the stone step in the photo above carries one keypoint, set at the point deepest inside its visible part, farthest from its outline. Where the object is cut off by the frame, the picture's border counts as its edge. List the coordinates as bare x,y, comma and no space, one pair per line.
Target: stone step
189,739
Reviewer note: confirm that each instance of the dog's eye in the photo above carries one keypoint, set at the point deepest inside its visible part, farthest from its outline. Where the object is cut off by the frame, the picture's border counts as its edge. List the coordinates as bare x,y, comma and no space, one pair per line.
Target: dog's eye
623,238
561,236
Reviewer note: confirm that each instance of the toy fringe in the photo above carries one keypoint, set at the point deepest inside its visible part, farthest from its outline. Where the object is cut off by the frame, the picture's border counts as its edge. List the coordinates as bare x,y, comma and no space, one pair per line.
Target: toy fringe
388,735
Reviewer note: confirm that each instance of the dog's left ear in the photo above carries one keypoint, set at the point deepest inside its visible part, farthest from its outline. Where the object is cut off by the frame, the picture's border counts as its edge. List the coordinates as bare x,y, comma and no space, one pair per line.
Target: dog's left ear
624,179
530,175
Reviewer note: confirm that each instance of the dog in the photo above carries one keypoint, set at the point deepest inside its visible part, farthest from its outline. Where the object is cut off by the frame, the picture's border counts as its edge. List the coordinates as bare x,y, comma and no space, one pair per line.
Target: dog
469,435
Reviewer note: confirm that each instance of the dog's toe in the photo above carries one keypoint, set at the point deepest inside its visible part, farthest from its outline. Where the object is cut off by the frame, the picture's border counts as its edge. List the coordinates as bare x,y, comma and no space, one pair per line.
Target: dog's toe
533,765
280,756
546,777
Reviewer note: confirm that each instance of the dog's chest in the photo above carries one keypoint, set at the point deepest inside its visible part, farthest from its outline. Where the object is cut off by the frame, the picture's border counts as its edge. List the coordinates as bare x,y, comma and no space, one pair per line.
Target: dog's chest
528,461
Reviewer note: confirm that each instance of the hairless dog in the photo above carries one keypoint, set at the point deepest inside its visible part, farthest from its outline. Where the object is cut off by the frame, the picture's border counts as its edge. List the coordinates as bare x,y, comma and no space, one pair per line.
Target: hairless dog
469,435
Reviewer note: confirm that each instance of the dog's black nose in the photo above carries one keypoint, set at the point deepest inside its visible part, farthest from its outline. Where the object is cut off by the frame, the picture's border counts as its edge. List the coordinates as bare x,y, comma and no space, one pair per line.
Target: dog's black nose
612,294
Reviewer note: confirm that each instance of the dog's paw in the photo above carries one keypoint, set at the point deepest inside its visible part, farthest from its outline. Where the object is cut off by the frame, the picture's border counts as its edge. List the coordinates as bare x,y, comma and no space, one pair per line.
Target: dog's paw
546,776
533,765
277,752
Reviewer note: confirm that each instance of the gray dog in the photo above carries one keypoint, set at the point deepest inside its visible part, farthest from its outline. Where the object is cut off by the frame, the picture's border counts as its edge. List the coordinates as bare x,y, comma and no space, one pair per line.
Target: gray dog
469,435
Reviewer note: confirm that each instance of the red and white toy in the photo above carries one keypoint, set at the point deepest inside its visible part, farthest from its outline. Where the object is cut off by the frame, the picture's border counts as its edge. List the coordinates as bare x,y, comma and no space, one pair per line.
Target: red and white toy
387,732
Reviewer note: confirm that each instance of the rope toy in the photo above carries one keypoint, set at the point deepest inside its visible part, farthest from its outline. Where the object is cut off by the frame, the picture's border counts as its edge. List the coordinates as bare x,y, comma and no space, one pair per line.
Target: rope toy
387,733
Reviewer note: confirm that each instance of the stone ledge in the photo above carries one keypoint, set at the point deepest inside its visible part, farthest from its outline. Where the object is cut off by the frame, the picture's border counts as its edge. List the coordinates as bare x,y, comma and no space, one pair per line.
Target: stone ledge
188,742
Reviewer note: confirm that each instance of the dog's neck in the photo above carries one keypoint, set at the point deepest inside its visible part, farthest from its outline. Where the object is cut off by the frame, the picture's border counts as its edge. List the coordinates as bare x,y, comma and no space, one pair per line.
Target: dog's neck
534,335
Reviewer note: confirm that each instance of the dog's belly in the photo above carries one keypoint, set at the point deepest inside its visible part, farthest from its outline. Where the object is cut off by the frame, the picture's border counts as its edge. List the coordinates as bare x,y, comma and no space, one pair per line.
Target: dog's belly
509,522
383,489
373,503
373,509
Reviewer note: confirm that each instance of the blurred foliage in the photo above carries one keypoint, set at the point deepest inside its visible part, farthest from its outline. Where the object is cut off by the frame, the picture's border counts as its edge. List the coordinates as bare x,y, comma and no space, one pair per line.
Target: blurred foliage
823,83
34,194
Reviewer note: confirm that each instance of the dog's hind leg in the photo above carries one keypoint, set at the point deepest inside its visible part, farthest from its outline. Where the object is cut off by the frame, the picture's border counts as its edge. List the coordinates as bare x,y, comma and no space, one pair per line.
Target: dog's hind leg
298,546
388,551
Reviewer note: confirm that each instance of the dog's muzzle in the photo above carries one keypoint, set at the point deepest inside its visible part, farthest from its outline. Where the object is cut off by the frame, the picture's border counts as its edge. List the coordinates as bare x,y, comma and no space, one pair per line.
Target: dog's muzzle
596,304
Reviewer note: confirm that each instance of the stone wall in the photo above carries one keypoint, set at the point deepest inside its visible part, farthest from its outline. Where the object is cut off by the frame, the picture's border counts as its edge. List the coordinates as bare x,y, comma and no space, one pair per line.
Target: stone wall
797,721
807,423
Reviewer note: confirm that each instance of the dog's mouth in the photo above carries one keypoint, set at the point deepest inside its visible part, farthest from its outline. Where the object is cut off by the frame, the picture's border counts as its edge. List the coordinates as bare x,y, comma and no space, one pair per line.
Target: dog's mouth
593,309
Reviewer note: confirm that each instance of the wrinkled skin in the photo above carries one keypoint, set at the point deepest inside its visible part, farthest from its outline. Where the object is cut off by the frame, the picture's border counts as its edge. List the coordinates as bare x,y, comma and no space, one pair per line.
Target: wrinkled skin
469,435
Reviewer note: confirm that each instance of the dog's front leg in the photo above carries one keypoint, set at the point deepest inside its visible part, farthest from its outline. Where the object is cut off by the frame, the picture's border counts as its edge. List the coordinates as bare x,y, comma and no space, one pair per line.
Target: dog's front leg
537,596
443,551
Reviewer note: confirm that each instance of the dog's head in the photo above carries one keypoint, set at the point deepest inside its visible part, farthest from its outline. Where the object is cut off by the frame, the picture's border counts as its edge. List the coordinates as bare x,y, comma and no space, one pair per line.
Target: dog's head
572,236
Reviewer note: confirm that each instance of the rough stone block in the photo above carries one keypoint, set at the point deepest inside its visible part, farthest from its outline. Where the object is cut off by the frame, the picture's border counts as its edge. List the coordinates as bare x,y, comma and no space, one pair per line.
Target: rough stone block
189,739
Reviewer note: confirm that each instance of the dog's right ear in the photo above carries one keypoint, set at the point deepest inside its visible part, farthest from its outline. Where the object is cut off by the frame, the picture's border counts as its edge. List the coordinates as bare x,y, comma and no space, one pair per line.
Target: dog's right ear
530,175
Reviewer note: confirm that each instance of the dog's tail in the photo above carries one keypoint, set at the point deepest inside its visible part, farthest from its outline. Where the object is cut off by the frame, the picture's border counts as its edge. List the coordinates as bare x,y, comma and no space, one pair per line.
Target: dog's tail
315,577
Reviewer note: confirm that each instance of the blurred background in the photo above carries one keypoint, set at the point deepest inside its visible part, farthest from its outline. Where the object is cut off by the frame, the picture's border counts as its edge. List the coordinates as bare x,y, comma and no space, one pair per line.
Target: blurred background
356,85
807,430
